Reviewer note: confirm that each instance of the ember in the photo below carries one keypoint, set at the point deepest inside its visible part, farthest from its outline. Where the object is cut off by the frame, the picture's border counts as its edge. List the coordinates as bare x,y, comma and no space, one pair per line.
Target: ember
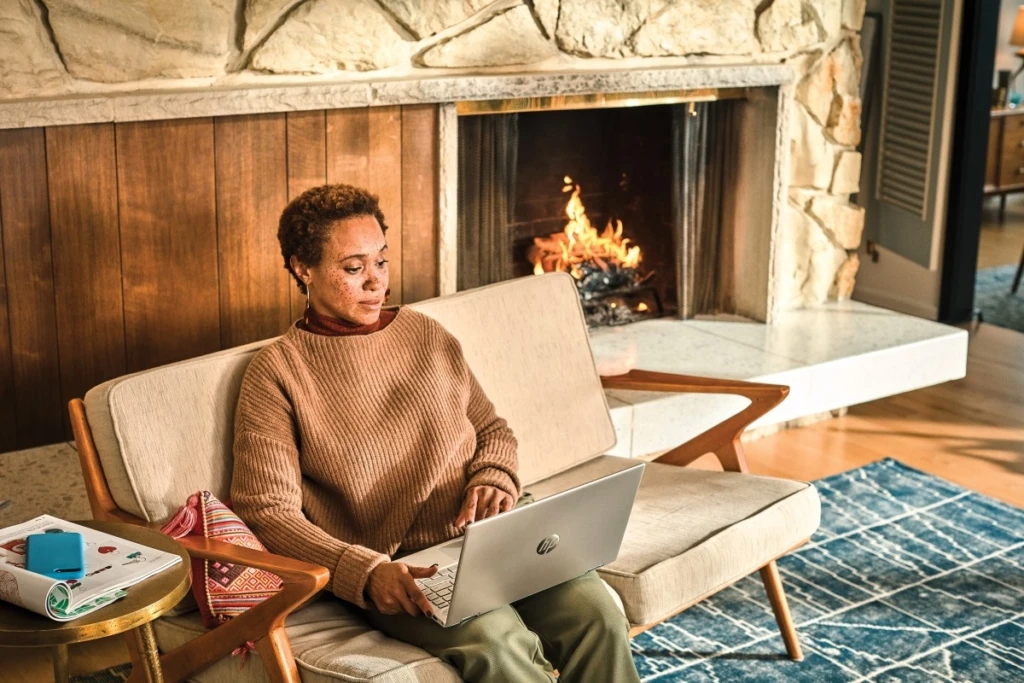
605,266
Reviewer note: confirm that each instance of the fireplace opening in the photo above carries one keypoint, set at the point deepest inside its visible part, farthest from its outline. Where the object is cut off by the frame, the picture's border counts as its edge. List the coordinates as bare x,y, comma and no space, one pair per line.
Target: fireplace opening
630,200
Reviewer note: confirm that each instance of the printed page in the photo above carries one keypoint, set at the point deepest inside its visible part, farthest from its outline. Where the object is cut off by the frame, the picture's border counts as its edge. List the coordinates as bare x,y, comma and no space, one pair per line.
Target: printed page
111,565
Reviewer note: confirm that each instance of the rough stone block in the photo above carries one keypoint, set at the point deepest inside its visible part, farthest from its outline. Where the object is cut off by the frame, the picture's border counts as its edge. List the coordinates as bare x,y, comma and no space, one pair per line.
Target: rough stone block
717,27
816,90
844,121
599,28
846,179
845,222
318,38
830,14
787,25
28,60
846,62
812,157
653,28
547,12
846,278
793,257
509,38
131,40
853,14
260,15
826,259
425,19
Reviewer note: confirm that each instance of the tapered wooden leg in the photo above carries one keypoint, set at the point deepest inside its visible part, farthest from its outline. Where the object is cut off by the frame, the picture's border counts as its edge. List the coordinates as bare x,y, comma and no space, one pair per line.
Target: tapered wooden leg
773,585
732,458
60,664
276,652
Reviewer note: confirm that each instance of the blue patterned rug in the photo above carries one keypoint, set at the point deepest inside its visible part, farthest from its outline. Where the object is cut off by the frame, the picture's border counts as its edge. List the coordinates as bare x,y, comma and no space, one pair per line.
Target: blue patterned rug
992,295
909,578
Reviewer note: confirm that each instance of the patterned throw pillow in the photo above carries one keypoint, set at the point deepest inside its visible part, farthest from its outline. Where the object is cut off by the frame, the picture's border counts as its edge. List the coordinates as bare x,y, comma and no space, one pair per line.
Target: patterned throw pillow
226,590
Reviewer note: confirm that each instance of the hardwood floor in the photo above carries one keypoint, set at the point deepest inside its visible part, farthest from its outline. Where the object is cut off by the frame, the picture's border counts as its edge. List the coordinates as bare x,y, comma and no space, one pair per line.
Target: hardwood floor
1001,241
970,431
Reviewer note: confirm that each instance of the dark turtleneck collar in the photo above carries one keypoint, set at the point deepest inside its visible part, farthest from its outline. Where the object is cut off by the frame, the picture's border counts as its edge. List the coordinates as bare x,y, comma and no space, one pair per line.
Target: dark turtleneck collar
318,323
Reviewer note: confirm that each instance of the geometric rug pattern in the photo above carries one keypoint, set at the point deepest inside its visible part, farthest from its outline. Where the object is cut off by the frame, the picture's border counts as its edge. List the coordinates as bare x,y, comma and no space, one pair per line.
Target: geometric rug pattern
992,296
909,578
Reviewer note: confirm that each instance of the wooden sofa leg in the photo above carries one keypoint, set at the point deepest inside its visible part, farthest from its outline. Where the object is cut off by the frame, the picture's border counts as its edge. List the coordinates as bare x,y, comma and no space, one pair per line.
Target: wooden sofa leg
732,457
773,585
276,652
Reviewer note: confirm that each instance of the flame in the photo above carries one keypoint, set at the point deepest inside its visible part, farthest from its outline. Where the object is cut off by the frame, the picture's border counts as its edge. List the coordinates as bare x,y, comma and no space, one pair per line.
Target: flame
579,242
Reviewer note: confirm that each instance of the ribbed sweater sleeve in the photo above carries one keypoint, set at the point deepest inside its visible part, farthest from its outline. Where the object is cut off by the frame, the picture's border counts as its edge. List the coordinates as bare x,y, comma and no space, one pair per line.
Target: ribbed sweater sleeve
266,492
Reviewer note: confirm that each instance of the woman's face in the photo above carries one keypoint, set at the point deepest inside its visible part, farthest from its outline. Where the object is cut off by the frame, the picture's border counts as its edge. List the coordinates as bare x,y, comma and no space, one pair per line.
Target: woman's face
352,277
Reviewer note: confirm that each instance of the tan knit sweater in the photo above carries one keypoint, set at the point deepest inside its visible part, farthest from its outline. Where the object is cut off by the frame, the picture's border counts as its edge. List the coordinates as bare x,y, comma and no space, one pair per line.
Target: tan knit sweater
349,447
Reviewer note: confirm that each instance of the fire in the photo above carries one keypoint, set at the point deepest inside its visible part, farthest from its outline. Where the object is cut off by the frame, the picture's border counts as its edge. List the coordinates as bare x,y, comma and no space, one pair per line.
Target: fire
579,243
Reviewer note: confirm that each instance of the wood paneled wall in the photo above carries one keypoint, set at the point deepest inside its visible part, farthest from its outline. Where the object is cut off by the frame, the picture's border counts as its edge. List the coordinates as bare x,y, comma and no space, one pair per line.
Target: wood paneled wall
126,246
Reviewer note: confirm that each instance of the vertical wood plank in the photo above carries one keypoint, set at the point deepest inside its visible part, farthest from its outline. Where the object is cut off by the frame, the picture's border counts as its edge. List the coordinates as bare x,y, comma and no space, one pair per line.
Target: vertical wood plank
307,167
8,419
167,206
384,179
252,184
419,202
82,176
348,146
24,212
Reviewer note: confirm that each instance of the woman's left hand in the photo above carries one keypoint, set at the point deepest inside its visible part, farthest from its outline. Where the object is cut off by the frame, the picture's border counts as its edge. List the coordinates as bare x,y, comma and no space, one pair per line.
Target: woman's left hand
482,502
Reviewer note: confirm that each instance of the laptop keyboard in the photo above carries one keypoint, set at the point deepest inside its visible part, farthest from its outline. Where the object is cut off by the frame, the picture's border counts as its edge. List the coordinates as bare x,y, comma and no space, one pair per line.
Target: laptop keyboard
438,588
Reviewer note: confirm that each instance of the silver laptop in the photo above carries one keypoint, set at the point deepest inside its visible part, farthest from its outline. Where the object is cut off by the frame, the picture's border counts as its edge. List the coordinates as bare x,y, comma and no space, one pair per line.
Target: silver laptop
513,555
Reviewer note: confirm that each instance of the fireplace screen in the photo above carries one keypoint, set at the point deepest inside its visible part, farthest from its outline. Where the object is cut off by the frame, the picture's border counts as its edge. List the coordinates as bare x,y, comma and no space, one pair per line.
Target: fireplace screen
626,200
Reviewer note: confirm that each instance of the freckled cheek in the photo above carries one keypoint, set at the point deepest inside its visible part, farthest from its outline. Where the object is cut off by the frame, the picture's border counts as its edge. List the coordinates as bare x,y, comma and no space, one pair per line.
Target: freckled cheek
345,289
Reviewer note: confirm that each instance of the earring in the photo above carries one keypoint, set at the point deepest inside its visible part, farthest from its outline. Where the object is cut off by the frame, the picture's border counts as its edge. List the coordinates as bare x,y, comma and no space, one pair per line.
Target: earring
307,295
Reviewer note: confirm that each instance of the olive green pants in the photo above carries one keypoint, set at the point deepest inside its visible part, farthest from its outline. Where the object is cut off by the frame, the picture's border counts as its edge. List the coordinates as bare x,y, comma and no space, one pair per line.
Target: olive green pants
574,627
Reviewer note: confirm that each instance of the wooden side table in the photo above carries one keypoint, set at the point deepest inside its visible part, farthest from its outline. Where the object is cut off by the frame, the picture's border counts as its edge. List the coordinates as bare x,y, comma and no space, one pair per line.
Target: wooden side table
145,602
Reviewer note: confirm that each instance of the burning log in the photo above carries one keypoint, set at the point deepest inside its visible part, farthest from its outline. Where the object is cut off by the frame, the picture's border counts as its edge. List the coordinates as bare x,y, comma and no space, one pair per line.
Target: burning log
598,261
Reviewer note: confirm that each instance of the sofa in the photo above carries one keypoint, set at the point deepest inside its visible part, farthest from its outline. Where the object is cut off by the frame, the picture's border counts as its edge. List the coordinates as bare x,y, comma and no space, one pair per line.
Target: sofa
149,440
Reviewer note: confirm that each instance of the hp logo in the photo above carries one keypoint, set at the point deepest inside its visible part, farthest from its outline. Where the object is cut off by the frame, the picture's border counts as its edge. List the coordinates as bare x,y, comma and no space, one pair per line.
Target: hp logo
548,544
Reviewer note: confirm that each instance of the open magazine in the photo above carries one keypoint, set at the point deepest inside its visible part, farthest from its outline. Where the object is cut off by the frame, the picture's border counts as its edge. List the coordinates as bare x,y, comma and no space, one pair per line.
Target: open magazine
112,564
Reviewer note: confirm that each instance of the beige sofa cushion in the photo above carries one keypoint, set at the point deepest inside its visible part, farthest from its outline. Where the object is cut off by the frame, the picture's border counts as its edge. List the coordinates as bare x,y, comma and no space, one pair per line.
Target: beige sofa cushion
694,531
165,433
331,643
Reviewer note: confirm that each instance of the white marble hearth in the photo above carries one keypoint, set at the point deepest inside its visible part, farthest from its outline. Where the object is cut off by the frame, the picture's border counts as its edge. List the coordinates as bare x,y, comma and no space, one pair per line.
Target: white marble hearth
831,356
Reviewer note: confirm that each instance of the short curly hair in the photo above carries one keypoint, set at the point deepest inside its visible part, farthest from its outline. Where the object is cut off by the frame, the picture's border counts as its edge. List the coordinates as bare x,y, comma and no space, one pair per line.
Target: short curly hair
307,221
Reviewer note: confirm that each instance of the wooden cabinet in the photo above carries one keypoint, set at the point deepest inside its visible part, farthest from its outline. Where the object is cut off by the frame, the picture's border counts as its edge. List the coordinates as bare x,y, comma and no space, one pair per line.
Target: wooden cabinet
1004,167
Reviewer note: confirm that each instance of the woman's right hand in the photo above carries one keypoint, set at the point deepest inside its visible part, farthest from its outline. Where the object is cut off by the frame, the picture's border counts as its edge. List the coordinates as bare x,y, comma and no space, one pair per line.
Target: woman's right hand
392,588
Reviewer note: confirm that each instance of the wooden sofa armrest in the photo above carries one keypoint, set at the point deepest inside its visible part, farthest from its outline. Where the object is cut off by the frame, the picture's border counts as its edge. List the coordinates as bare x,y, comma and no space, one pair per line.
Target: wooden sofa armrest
724,438
262,624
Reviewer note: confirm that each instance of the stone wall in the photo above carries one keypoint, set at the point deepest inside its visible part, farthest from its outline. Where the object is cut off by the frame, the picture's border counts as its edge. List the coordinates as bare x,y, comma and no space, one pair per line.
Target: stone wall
51,48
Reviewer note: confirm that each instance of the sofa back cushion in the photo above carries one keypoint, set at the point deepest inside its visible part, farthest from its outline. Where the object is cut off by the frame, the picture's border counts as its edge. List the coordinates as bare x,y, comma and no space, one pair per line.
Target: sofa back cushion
163,434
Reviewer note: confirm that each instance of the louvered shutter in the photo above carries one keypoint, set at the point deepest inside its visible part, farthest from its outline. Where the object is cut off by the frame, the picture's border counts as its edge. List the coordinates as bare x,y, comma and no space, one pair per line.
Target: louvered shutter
907,141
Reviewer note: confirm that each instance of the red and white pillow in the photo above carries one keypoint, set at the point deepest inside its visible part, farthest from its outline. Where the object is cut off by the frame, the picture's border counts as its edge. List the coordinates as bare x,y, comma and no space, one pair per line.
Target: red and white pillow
226,590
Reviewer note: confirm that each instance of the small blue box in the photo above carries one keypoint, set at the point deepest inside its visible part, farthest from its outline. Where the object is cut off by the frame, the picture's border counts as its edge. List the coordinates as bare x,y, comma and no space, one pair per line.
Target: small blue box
57,555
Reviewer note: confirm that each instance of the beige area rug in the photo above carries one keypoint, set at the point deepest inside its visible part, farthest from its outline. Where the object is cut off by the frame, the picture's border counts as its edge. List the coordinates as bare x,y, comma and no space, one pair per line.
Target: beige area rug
43,480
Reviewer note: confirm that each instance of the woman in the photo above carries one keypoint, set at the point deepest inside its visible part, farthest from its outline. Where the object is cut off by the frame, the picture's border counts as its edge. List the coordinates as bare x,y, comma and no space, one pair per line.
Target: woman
362,434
